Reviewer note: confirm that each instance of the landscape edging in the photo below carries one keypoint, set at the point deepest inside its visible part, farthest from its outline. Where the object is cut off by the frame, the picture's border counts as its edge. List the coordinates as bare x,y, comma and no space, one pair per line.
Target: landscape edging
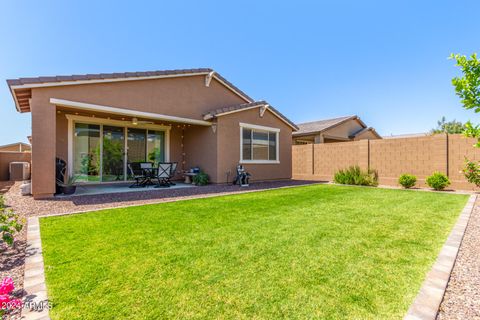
36,300
427,303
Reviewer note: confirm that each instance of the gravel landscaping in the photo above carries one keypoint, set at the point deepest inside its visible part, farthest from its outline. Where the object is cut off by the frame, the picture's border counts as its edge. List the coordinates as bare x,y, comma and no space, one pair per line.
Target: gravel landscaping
462,297
12,259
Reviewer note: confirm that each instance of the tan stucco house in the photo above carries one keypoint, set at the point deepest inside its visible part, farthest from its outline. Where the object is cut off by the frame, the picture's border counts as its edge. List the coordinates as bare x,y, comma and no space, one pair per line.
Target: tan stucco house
98,123
349,128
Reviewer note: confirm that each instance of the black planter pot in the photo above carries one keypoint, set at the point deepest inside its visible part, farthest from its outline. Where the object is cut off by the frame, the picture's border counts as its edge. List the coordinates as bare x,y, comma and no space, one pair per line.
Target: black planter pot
69,189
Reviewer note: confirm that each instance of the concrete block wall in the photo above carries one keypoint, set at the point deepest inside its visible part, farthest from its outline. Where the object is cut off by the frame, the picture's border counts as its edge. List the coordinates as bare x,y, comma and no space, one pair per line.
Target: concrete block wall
331,157
420,156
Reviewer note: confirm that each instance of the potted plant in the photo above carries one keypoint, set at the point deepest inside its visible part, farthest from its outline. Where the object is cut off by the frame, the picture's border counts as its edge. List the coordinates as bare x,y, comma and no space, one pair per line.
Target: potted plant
68,186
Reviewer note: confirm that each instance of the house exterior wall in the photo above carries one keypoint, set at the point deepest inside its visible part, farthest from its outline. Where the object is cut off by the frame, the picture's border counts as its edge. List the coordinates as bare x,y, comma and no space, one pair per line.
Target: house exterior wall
183,96
228,139
201,150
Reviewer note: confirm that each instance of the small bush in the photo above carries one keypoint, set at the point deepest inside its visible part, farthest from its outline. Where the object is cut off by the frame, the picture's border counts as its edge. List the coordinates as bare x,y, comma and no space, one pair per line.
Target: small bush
472,172
438,181
201,179
407,180
9,224
356,176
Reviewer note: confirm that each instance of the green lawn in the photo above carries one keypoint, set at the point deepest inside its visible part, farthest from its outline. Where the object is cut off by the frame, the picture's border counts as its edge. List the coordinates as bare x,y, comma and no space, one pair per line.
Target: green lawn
328,252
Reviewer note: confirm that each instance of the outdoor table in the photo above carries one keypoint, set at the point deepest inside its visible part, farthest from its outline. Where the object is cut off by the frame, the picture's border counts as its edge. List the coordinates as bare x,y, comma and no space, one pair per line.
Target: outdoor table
149,173
188,176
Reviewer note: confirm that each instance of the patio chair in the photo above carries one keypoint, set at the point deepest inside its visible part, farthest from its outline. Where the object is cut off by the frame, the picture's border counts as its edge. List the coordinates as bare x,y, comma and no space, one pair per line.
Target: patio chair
242,178
135,170
173,170
148,172
163,174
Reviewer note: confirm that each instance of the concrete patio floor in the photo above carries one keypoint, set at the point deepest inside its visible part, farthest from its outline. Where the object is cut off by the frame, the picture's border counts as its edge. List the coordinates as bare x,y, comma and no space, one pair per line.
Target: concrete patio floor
95,189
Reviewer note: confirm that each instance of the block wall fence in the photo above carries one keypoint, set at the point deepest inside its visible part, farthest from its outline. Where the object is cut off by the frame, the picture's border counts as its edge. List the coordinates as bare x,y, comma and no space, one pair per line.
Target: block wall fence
11,156
420,156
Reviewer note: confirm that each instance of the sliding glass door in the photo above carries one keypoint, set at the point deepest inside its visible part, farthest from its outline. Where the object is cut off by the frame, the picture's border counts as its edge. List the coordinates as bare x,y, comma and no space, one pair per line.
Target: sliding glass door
86,152
156,146
113,153
105,159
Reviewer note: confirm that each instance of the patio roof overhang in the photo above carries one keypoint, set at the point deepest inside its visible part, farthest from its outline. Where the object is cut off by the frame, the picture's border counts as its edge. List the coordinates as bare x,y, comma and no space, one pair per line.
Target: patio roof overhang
125,112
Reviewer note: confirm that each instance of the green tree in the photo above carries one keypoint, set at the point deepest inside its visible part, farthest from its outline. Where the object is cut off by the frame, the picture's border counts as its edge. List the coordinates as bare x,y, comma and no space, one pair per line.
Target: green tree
451,127
467,87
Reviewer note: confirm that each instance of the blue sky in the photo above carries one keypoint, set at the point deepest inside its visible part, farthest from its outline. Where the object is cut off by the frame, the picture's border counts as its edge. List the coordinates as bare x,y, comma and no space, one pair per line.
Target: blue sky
385,61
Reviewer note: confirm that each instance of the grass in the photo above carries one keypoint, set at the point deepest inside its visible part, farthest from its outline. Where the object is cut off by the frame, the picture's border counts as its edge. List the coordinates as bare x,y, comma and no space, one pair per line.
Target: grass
329,252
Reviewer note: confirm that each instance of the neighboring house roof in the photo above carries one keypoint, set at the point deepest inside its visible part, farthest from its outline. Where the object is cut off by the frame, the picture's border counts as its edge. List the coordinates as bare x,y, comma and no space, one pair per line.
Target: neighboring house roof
410,135
356,134
246,106
322,125
26,145
21,88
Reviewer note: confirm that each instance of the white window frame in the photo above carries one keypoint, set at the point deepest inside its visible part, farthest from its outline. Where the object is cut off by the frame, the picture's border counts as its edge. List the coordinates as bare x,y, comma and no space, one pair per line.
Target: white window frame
265,129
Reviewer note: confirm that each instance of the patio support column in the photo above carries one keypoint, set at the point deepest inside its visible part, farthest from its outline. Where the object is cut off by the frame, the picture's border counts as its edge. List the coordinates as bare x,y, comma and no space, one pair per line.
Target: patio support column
43,147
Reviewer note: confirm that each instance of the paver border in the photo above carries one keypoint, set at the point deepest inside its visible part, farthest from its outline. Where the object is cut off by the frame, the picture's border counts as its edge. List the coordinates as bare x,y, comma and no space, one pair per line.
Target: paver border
36,300
428,300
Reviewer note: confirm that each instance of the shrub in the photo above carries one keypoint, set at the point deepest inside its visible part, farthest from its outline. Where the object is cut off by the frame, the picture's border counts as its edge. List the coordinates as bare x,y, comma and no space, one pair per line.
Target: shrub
472,172
438,181
407,180
6,302
9,224
356,176
201,179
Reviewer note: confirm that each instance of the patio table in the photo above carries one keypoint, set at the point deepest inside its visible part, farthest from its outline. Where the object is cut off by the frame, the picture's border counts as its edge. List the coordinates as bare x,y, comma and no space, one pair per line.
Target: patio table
149,173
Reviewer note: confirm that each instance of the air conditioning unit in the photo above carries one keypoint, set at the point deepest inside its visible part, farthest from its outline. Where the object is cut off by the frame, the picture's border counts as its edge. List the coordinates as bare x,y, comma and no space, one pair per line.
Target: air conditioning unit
19,171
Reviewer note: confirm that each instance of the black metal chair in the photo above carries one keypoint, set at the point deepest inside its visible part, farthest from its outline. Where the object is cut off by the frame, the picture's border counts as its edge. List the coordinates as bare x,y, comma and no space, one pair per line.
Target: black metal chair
137,174
173,170
148,172
163,174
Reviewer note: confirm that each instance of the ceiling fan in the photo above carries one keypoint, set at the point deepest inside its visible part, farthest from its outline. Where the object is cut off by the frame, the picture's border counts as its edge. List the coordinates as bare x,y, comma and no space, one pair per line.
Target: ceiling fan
135,122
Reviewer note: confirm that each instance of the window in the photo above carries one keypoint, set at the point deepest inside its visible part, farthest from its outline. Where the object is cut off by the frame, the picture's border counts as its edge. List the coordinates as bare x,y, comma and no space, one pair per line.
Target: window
259,144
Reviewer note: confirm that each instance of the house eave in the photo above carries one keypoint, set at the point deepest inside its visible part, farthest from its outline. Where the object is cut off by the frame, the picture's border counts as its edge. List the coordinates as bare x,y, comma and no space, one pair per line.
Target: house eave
125,112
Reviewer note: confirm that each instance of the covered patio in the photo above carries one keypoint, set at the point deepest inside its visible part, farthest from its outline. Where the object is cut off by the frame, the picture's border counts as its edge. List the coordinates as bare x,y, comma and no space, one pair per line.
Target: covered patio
95,199
99,189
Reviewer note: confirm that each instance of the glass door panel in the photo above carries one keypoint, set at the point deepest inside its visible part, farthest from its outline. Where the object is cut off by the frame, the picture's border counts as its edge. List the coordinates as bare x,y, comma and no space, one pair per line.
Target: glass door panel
136,145
113,153
156,146
86,152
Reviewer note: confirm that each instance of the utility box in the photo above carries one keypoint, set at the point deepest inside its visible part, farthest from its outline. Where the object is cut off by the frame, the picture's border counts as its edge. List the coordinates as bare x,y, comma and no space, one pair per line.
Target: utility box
19,171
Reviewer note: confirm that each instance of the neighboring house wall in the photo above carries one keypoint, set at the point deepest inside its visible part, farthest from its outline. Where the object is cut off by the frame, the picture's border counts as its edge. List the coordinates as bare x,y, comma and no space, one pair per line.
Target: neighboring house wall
344,130
9,156
184,97
228,135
